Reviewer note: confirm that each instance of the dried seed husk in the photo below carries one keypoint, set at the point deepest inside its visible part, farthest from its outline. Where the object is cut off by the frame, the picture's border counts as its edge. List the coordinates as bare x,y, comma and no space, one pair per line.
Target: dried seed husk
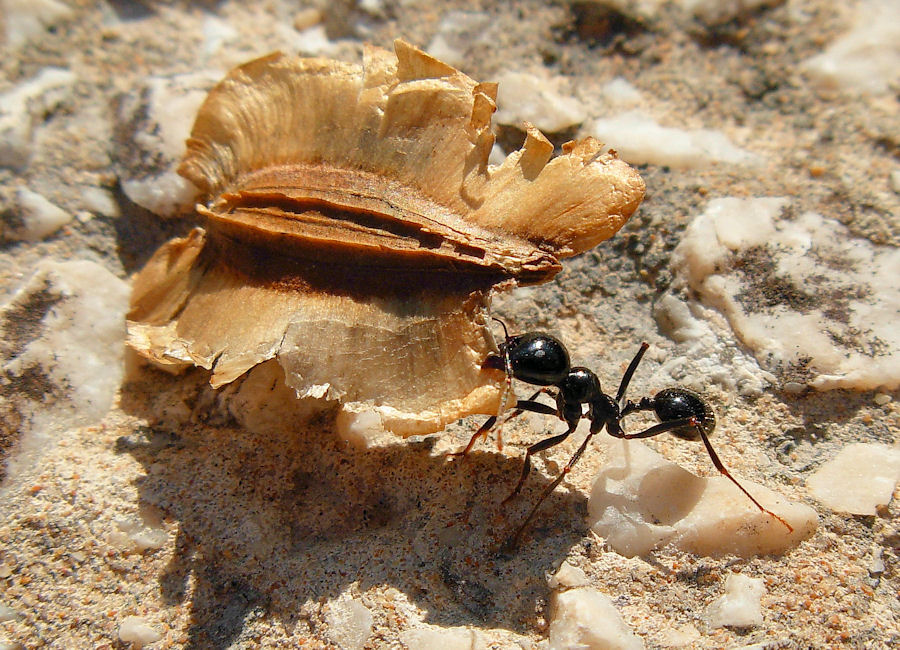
354,231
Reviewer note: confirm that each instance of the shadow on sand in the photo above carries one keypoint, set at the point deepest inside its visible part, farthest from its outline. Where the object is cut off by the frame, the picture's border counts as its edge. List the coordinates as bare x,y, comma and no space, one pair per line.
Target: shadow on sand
273,525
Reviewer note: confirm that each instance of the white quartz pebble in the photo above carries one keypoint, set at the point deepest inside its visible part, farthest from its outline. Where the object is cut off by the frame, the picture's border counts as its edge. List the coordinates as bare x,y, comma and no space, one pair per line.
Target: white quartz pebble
457,31
586,618
445,638
155,120
867,57
639,139
772,276
858,479
525,97
349,622
640,501
740,604
567,577
65,329
136,631
37,217
22,110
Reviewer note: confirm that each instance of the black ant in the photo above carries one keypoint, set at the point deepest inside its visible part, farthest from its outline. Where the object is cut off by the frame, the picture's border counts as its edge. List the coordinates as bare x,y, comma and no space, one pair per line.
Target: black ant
542,360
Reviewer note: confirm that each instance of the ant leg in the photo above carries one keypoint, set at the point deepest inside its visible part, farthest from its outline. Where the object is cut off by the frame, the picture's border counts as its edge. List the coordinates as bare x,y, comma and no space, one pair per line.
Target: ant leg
721,467
504,395
482,432
655,430
663,427
516,538
533,449
626,378
535,407
485,428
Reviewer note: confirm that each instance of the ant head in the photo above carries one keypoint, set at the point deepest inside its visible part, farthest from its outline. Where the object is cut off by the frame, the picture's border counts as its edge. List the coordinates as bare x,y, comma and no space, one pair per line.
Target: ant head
678,403
537,358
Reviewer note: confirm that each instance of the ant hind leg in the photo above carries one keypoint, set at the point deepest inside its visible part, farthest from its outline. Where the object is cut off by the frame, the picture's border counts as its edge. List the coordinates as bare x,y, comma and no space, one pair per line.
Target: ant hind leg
671,425
516,538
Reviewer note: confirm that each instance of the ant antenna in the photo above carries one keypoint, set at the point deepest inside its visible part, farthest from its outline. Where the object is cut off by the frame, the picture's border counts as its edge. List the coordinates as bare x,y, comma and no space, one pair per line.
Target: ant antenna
507,385
489,424
503,325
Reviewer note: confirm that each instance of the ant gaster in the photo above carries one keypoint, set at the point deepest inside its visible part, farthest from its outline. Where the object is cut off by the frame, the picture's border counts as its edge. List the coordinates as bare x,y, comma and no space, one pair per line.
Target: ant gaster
542,360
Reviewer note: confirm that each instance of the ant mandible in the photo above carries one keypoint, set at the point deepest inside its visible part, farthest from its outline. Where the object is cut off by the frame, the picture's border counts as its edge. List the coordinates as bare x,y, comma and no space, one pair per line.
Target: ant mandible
542,360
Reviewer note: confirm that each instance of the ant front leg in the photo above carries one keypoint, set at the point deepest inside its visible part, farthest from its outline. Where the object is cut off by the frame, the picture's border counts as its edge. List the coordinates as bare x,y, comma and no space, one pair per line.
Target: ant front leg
482,432
485,428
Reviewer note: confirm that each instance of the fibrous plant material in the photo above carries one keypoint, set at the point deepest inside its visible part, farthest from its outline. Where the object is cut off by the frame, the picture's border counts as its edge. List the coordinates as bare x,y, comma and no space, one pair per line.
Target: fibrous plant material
354,231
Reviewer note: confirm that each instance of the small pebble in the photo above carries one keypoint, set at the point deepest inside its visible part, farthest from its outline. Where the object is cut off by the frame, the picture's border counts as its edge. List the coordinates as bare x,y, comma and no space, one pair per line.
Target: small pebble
7,614
865,58
349,622
445,638
314,41
895,180
567,577
740,605
28,20
135,630
639,139
77,346
858,479
361,429
587,618
525,97
153,122
457,31
23,109
621,93
38,217
216,35
133,535
641,501
306,18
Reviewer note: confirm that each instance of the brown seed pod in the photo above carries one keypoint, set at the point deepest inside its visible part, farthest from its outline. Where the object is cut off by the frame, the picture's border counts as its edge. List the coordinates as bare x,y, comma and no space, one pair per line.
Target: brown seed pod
354,231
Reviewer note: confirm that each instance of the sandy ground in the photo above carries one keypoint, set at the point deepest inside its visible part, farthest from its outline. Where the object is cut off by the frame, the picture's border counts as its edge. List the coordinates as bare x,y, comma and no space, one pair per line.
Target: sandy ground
267,537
